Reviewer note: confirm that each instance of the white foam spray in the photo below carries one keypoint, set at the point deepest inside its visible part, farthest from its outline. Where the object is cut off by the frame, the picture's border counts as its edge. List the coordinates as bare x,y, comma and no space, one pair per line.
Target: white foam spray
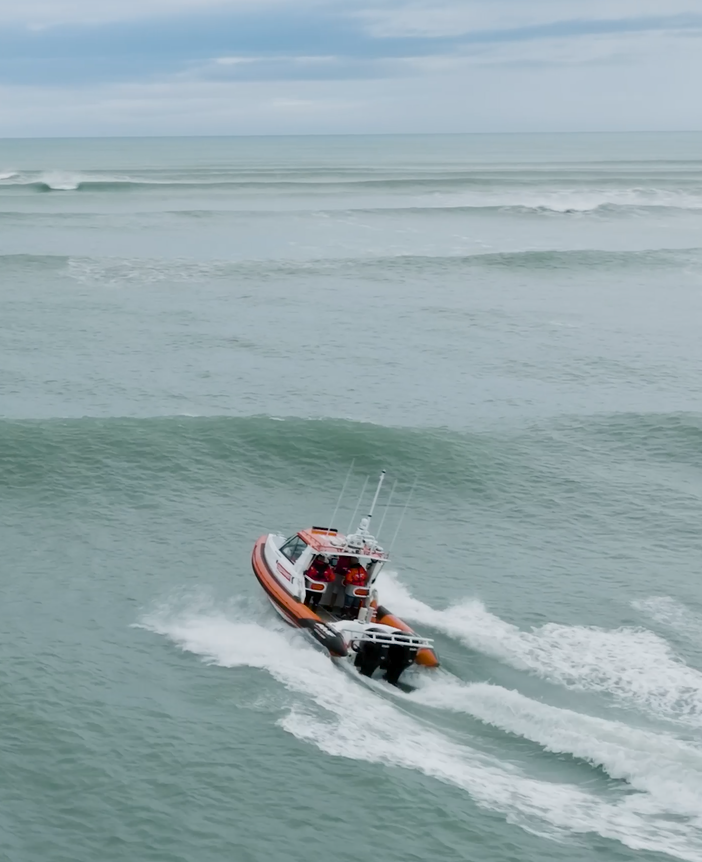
64,181
667,768
573,200
344,719
634,666
673,614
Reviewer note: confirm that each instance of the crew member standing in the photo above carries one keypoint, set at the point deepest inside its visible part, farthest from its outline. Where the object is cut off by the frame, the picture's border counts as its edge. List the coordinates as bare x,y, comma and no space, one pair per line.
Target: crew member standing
320,572
356,576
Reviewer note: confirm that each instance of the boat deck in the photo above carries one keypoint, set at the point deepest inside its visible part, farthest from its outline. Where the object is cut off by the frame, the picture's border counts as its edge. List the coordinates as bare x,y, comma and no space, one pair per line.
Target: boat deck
326,615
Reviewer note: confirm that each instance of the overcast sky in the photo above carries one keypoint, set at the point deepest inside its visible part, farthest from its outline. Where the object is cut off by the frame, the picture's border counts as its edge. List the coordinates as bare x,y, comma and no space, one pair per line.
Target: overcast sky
96,67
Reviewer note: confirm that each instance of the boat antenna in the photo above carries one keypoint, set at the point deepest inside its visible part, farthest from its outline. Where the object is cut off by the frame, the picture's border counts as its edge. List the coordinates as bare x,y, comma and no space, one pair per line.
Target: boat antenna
387,508
377,492
402,517
338,502
353,517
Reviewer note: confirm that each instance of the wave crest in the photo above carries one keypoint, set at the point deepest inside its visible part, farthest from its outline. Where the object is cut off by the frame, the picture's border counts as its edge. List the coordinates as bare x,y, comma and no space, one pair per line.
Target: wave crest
105,271
212,449
441,192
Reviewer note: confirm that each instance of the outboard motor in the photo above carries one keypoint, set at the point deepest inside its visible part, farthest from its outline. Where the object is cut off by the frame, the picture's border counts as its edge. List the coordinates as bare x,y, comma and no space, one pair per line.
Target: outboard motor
399,658
392,652
369,657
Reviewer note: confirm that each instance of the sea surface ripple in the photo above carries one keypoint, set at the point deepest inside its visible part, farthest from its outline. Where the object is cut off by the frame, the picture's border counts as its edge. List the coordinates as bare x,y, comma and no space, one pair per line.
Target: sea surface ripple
197,338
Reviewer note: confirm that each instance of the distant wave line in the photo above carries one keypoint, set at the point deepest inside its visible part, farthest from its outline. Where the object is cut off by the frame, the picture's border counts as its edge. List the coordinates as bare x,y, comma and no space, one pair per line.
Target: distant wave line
644,192
116,270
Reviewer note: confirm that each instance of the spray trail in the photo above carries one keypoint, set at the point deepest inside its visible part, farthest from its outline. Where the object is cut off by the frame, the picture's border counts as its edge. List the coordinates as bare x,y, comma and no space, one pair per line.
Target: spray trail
634,666
344,719
660,764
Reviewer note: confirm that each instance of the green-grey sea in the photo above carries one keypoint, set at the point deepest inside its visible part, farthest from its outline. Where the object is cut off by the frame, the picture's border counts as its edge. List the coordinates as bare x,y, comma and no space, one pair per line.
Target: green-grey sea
198,338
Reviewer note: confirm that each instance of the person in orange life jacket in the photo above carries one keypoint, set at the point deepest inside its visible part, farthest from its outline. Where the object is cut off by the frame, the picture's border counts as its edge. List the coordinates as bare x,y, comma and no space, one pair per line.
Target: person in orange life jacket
356,576
319,571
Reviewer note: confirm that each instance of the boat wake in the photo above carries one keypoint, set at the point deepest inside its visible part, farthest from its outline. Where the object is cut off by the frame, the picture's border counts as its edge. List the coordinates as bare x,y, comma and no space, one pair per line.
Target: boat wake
656,763
633,666
344,719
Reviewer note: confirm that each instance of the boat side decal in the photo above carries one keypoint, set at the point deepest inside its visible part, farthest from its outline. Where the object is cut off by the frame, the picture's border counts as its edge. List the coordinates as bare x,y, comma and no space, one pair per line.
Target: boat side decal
284,572
297,613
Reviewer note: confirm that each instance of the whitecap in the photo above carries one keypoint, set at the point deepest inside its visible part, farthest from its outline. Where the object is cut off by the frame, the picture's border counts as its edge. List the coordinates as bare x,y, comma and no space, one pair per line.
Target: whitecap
564,201
60,181
673,614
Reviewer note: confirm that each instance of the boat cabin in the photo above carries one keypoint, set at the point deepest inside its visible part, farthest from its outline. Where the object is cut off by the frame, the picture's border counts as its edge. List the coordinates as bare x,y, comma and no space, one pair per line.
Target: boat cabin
339,571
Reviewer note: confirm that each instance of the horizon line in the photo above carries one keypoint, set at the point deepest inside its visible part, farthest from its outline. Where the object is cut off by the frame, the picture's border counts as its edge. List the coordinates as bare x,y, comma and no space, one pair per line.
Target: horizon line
347,135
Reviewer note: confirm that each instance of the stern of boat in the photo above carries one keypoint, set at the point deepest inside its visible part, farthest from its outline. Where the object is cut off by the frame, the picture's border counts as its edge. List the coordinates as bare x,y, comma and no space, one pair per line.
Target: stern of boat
375,649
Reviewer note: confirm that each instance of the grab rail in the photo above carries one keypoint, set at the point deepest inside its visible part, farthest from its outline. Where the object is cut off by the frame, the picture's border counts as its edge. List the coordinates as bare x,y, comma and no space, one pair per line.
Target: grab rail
391,638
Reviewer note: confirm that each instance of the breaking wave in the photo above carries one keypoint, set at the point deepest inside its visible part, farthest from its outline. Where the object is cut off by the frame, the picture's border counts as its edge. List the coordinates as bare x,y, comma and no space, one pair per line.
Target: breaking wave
634,666
343,719
441,191
71,181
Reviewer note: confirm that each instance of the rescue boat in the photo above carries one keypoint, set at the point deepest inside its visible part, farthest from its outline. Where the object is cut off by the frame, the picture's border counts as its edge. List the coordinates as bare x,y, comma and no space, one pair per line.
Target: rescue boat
343,614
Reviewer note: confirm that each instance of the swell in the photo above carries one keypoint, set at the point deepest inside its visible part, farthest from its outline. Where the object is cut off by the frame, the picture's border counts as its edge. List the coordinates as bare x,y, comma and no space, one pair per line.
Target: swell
662,437
385,267
541,206
522,191
448,209
491,467
33,262
638,176
233,210
204,450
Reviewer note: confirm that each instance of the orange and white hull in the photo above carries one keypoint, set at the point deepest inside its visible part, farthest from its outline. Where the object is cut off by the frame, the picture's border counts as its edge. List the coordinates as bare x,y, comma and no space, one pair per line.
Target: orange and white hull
290,607
340,638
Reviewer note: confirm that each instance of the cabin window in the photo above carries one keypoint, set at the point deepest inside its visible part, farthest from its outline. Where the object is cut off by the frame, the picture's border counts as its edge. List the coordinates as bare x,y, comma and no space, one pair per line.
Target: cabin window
293,549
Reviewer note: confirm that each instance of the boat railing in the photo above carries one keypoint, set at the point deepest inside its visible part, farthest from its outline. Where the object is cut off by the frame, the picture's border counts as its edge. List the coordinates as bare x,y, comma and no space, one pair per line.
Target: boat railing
367,550
390,638
352,551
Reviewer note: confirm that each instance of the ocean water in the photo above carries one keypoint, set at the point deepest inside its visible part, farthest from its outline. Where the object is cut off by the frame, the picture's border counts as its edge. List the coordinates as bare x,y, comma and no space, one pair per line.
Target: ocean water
197,339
